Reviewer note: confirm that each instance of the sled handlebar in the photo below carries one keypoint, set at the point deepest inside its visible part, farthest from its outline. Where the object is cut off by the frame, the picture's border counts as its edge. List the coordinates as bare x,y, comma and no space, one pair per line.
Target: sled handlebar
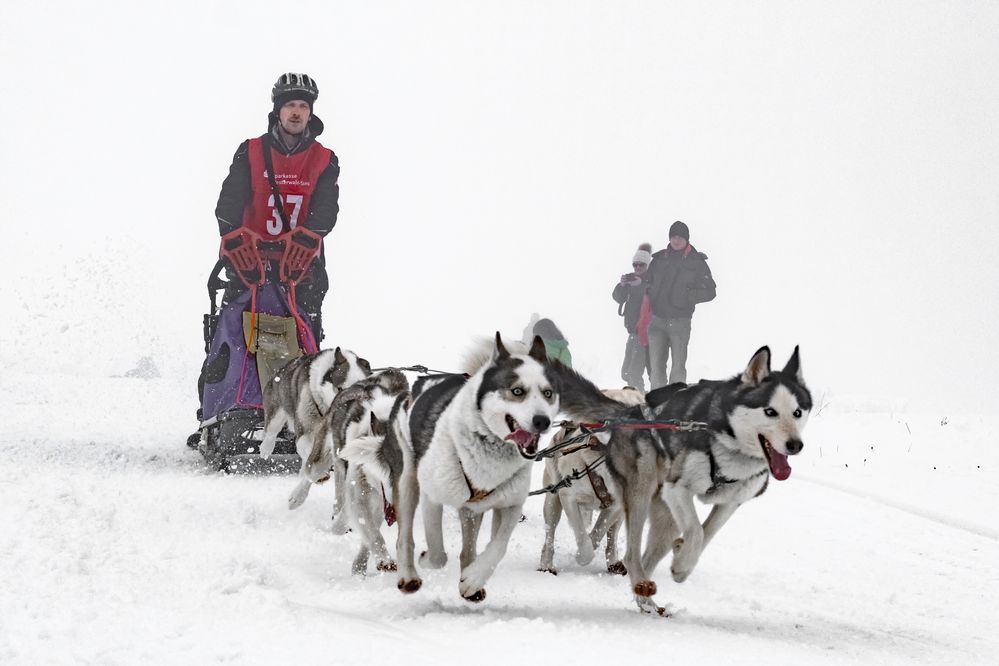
301,249
240,248
247,252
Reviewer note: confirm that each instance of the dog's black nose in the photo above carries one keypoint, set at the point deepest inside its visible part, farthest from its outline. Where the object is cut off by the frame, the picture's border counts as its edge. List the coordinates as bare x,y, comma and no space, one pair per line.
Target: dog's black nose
540,422
795,446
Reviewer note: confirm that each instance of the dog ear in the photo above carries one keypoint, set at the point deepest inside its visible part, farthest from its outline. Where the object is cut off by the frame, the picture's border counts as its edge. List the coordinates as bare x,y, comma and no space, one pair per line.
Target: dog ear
793,366
338,357
538,352
501,351
758,368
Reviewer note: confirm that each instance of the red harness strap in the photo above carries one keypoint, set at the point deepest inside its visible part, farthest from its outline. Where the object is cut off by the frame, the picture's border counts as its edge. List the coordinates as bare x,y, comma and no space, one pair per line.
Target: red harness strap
649,425
633,426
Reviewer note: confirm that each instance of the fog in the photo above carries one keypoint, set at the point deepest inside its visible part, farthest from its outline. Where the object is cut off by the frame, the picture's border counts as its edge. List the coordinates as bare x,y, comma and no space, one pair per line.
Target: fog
836,162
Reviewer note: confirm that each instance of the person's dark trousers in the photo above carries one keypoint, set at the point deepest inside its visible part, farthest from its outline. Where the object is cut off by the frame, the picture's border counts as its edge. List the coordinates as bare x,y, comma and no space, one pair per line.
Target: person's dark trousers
668,337
636,362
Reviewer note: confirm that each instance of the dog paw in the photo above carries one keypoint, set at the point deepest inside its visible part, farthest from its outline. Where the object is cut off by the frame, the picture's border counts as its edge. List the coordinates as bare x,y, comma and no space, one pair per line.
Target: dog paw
437,561
476,596
585,554
649,607
409,585
473,577
552,570
645,588
617,568
297,497
684,561
387,565
340,525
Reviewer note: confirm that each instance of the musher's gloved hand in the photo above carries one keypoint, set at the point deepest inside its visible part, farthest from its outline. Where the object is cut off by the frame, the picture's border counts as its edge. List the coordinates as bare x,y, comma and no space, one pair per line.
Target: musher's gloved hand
240,248
301,249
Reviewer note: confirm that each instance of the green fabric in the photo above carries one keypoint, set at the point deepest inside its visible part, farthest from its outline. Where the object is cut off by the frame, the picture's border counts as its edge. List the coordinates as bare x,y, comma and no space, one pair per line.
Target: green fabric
558,350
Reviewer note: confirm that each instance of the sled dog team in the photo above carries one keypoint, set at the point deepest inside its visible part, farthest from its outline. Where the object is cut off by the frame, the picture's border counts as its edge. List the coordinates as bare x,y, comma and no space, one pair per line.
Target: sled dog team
469,441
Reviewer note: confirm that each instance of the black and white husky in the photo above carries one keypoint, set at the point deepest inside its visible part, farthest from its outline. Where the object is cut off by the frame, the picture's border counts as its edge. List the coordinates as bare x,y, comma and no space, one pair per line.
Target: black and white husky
754,422
299,397
469,443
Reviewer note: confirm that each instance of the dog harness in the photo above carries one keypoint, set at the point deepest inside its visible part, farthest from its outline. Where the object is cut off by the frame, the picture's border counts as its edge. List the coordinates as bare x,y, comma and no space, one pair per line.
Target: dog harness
474,494
610,424
597,482
600,489
388,508
718,479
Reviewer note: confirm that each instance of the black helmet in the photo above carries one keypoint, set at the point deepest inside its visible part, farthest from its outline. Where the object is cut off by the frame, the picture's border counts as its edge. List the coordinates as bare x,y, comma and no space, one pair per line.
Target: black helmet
291,86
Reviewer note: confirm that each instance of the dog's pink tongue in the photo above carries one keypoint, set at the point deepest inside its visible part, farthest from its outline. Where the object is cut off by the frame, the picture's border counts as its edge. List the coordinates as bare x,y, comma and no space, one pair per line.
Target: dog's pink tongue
778,465
524,439
520,436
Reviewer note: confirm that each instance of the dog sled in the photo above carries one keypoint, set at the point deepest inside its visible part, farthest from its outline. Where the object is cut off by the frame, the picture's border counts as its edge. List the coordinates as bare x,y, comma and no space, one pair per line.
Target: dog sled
250,333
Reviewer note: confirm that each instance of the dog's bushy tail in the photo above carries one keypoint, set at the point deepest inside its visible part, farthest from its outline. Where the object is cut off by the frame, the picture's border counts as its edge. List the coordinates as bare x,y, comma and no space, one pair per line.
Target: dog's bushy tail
366,452
580,399
322,392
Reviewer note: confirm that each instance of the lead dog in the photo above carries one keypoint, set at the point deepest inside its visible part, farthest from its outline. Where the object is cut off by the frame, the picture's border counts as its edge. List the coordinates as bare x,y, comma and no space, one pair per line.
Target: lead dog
753,423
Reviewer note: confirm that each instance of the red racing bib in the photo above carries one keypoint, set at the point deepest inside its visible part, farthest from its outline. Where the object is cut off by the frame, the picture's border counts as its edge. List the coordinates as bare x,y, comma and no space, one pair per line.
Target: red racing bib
296,177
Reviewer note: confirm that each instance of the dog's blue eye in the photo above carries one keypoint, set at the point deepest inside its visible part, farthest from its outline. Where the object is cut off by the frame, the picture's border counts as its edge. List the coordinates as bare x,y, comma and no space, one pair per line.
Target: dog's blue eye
797,413
770,411
547,393
517,391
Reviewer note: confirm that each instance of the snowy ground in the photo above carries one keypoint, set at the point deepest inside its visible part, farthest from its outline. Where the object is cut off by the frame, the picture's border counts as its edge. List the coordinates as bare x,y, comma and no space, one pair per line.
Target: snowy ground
119,547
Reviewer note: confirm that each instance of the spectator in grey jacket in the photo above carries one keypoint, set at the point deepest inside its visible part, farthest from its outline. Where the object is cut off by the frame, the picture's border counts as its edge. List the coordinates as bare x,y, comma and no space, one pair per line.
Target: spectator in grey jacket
628,293
679,279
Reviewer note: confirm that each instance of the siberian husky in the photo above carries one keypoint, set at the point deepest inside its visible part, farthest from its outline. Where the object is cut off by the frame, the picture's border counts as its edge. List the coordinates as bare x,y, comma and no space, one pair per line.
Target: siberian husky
753,423
299,397
470,443
355,433
596,492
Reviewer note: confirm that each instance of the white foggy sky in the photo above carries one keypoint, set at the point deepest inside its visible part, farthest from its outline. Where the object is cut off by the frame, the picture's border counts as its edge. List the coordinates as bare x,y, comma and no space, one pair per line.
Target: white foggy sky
836,161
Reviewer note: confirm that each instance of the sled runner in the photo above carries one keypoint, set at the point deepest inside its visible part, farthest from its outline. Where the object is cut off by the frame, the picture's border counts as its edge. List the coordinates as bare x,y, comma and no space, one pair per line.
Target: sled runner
249,337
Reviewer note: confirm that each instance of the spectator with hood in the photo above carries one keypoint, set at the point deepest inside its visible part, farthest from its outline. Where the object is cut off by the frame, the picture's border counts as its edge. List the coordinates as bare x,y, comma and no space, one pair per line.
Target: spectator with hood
629,293
556,346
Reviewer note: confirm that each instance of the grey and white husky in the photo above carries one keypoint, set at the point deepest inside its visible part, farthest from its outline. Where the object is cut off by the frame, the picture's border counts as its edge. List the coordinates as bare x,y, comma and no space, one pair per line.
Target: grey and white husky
754,422
299,397
470,443
355,431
